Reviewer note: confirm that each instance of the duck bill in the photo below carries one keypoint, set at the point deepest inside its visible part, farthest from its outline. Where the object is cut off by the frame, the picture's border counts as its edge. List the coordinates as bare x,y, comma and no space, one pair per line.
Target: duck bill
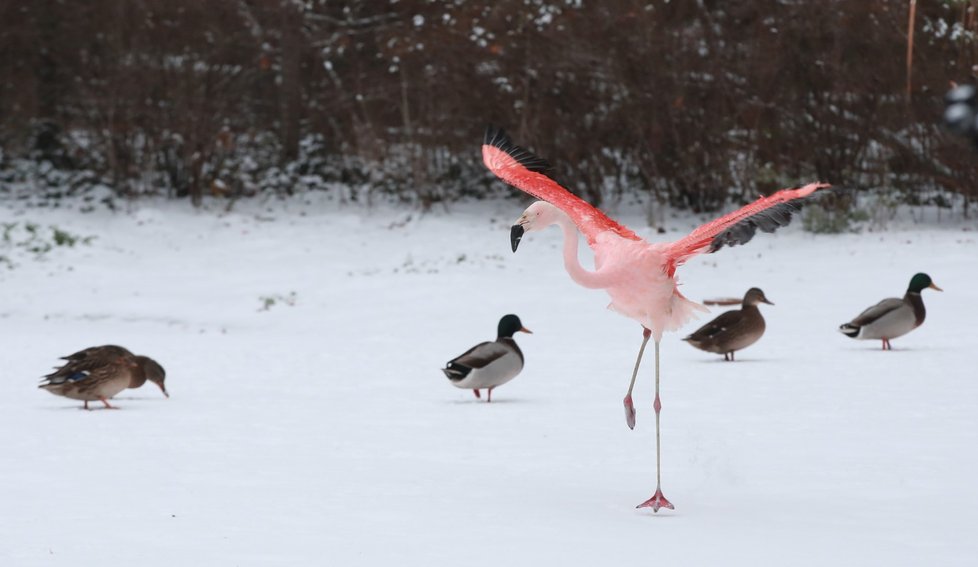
766,301
163,389
525,330
932,284
515,235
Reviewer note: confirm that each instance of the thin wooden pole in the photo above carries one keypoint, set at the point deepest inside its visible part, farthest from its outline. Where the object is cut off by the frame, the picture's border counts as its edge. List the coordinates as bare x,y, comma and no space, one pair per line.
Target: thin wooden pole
910,26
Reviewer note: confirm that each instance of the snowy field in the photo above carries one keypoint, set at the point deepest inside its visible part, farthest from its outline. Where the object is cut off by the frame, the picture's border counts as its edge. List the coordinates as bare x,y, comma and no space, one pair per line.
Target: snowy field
309,423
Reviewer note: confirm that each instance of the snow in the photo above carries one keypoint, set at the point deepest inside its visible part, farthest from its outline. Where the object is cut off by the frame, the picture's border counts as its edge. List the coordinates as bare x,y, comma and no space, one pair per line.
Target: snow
324,433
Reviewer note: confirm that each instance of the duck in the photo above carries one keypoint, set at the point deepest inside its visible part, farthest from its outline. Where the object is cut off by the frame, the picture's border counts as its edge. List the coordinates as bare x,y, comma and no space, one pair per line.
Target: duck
148,369
893,317
489,364
95,373
733,330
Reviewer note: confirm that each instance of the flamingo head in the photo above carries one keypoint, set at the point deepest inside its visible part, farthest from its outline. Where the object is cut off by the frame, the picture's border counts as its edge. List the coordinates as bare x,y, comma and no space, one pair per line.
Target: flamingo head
537,216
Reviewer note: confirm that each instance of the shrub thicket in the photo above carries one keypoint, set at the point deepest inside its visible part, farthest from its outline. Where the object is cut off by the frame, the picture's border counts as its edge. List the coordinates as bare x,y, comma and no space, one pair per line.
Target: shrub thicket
694,103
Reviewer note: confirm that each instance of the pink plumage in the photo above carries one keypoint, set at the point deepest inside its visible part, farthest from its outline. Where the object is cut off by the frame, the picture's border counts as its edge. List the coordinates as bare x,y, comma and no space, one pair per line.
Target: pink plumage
702,239
588,219
638,276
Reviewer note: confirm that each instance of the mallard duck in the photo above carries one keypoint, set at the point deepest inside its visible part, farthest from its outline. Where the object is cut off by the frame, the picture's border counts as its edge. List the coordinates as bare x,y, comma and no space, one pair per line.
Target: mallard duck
733,330
892,317
148,369
96,373
489,364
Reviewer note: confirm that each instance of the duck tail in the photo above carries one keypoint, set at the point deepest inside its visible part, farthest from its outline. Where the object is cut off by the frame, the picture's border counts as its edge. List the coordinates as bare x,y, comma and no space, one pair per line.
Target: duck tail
849,330
456,372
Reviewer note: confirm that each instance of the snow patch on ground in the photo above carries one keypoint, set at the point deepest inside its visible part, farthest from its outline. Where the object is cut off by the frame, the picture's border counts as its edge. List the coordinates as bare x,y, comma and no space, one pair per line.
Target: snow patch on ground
323,431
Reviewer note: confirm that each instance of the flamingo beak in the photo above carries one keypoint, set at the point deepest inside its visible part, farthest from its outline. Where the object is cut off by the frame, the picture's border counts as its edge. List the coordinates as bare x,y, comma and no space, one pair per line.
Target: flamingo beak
932,284
515,235
525,330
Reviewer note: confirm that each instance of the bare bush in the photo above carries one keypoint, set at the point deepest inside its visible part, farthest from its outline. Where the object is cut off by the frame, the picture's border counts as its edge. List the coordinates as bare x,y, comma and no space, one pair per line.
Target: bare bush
691,104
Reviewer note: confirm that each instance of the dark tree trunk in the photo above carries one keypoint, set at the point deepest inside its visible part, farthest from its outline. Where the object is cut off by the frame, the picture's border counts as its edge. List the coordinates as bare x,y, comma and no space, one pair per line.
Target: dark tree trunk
291,89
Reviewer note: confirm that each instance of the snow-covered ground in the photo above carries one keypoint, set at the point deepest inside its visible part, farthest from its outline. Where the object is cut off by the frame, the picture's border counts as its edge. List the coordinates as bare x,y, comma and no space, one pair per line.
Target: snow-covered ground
323,432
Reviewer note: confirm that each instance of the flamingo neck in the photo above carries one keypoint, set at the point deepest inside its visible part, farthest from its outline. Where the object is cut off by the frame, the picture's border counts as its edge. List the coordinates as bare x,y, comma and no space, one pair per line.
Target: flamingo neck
572,263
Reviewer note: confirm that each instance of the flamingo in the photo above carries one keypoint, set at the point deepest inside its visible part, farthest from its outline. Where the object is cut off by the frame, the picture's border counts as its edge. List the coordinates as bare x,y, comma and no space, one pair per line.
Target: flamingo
639,276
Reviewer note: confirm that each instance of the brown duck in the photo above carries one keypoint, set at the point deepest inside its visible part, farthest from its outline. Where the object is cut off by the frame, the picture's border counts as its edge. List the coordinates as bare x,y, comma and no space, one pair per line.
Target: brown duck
733,330
99,373
96,373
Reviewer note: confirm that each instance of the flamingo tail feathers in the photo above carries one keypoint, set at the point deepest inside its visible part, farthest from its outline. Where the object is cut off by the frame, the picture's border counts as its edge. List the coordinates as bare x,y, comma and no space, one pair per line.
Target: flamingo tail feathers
767,213
524,170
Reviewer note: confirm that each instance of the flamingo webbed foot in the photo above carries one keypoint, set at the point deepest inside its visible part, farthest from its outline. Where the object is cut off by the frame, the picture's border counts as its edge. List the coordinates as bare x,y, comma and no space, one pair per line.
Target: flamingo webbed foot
629,412
657,501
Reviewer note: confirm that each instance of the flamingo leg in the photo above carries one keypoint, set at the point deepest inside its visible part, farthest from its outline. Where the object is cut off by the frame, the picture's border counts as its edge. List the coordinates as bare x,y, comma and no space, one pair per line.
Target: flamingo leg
629,406
658,500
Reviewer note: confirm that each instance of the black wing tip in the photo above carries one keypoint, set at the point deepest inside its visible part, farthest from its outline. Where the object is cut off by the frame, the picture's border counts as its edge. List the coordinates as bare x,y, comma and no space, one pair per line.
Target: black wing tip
494,136
497,138
768,220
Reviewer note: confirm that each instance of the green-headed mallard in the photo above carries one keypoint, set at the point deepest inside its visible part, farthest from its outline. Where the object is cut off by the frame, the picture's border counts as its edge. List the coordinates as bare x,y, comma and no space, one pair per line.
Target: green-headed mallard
148,369
733,330
489,364
892,317
96,373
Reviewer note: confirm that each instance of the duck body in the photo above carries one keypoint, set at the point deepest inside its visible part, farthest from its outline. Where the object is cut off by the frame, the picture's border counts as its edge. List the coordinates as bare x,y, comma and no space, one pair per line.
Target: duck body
733,330
486,365
490,364
96,373
893,317
888,319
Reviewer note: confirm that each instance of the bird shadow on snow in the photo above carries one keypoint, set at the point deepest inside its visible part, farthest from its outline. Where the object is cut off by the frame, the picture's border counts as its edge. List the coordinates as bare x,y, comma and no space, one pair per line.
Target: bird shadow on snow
492,403
656,516
79,408
900,349
738,361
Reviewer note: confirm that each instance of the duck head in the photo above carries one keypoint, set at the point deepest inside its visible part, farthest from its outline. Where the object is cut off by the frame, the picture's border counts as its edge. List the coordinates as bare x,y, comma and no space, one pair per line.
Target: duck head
509,325
154,372
754,296
537,216
920,281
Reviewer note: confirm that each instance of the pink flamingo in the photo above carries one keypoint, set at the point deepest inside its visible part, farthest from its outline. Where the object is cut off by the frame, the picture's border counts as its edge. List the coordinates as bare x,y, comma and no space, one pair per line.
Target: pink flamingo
639,276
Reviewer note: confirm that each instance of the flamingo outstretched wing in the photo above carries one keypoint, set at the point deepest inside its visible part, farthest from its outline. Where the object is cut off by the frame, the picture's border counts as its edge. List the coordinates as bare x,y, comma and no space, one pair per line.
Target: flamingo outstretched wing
522,169
767,213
